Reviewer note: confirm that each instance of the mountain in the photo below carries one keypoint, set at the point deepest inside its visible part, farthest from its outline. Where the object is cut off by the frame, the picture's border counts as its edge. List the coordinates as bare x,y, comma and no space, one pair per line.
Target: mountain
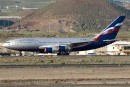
71,16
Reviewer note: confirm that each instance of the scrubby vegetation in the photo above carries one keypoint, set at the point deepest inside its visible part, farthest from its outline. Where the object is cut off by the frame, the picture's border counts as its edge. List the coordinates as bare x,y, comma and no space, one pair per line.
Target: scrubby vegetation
6,35
65,60
77,15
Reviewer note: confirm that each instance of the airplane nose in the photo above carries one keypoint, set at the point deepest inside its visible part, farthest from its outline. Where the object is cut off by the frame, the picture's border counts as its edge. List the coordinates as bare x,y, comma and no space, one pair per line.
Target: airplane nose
7,44
4,45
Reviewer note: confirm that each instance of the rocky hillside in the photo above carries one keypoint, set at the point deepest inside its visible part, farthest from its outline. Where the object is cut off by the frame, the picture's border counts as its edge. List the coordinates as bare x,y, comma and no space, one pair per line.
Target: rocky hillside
71,16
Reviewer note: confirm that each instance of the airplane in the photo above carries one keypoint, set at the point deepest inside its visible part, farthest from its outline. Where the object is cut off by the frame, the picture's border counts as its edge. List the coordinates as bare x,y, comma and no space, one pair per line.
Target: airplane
63,46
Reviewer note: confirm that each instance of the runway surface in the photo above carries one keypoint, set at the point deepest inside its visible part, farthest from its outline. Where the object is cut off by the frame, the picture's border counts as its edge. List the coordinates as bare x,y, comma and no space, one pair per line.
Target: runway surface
69,75
65,75
65,65
73,85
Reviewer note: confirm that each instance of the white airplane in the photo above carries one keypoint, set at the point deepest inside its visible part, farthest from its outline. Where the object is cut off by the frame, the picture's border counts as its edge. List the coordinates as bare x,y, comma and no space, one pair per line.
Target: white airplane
63,46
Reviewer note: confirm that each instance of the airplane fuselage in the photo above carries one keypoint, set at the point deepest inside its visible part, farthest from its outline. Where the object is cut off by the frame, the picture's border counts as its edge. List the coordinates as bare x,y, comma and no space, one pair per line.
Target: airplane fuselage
33,44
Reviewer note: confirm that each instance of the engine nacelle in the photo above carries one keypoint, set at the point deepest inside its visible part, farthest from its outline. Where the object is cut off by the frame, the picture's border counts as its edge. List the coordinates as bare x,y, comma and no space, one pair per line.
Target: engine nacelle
51,49
64,48
48,50
55,49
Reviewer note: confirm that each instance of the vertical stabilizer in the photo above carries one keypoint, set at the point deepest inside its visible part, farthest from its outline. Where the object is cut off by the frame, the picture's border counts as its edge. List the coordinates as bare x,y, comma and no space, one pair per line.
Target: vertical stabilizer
110,32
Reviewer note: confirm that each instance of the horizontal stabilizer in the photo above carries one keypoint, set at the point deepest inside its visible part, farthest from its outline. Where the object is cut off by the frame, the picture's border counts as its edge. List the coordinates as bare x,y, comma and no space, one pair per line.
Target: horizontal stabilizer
113,40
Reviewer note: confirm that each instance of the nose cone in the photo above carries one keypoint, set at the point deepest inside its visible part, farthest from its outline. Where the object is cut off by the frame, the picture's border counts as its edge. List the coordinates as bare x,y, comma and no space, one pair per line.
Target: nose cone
5,45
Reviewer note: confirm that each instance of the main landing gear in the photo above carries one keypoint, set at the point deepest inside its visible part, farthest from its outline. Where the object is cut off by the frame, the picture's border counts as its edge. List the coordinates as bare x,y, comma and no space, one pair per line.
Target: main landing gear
62,53
20,53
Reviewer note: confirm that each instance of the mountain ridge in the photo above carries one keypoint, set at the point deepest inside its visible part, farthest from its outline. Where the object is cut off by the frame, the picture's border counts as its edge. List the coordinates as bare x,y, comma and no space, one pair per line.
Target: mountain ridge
71,16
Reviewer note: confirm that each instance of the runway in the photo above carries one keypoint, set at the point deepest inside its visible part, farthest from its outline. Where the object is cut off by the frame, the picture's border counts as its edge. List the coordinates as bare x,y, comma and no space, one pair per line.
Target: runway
65,75
64,65
72,71
72,85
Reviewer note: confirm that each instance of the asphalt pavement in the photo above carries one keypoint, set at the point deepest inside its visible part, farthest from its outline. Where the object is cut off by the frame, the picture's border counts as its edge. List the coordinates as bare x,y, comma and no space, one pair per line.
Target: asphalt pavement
65,65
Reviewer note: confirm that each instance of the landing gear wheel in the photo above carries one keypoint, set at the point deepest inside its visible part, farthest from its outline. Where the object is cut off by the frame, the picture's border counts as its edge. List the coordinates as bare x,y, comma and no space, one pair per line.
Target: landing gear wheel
58,53
66,53
20,53
62,53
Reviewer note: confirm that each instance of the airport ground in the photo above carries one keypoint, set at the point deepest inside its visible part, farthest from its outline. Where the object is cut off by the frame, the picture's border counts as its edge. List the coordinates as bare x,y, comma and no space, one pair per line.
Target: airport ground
74,59
71,71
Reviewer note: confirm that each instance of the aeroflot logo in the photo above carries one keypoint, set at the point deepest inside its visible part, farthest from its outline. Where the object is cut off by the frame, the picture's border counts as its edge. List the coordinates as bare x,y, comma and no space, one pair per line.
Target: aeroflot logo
112,29
109,31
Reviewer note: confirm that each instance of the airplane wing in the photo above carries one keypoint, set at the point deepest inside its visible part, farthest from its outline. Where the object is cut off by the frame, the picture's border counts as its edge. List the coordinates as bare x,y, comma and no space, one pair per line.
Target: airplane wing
77,44
73,45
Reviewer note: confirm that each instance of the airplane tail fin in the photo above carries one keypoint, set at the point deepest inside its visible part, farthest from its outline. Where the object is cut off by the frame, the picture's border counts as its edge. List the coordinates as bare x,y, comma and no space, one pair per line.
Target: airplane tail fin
110,32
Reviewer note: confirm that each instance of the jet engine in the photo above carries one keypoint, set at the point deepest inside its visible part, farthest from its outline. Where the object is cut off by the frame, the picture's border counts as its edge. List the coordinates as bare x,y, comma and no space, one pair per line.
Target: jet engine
54,49
64,48
50,49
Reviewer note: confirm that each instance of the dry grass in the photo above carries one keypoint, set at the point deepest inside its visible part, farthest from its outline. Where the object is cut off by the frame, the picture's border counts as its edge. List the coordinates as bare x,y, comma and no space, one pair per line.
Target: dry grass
65,60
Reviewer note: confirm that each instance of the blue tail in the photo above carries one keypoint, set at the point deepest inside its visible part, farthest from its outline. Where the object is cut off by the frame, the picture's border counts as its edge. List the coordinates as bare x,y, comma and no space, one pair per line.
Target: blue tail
110,32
